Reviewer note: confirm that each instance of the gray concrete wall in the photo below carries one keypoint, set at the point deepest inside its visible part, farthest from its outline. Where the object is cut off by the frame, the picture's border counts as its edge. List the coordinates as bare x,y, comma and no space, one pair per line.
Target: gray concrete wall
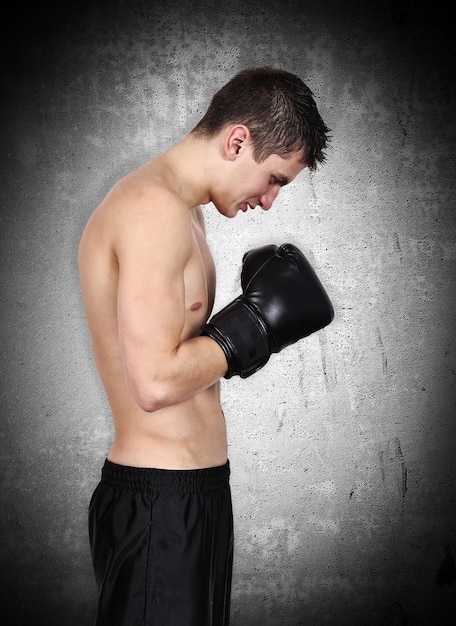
342,447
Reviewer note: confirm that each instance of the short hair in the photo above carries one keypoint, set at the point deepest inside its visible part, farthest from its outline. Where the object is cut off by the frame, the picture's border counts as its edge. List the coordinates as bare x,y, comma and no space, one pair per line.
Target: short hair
279,111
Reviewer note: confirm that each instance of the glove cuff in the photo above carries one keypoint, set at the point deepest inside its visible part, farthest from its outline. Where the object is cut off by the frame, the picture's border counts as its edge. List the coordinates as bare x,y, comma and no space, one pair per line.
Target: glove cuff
243,337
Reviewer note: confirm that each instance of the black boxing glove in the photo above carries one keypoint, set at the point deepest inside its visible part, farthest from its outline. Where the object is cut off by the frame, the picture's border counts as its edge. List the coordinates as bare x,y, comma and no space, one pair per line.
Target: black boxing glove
282,302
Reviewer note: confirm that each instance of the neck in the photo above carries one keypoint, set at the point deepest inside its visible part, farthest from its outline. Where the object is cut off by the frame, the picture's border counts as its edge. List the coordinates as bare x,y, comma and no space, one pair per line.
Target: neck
191,166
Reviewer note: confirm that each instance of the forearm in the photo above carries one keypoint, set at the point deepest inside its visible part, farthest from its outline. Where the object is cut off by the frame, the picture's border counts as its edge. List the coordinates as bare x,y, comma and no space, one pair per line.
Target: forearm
192,367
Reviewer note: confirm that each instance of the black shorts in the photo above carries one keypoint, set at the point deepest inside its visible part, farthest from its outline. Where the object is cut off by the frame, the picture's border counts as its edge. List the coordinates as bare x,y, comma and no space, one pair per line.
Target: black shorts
162,546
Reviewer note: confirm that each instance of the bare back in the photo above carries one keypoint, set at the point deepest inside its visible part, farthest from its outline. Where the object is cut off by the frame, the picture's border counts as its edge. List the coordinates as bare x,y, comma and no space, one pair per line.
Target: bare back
148,278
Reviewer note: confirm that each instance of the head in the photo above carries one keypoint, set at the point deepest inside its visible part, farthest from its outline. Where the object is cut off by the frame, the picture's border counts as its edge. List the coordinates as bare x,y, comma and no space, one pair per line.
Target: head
277,108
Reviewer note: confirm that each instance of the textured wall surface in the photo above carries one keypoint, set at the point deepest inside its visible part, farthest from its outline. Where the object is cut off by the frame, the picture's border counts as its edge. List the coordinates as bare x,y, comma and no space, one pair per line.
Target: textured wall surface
342,447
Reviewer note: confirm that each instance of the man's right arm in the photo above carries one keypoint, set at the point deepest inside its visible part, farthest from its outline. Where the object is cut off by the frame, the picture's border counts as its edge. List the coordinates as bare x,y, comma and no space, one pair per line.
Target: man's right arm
153,244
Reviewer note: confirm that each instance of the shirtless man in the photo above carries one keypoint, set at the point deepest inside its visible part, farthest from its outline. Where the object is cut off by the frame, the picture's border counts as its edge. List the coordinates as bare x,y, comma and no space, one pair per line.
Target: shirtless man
160,520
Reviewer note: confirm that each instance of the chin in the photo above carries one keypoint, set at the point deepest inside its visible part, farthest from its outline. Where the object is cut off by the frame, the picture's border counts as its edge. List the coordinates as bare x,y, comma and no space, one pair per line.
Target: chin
227,212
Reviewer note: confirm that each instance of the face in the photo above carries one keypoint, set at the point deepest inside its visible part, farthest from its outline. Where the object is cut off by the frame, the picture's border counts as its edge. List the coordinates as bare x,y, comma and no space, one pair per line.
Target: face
252,184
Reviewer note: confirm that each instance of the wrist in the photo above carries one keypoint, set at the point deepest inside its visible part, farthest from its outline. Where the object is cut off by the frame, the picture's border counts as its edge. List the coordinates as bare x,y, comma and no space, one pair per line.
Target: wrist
243,337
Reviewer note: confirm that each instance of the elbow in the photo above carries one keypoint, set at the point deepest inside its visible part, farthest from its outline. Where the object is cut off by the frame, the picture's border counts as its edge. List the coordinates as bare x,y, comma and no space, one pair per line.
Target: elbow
151,397
149,405
150,400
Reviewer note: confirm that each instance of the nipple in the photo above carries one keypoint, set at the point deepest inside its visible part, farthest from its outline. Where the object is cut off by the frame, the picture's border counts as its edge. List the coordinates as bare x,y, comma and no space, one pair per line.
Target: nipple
196,306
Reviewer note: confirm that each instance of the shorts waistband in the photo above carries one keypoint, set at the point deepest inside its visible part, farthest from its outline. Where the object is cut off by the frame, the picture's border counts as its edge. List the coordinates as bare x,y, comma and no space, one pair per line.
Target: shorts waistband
149,480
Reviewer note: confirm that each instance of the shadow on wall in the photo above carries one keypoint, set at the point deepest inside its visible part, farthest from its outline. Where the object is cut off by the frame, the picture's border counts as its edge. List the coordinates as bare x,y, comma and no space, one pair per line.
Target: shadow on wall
396,614
341,602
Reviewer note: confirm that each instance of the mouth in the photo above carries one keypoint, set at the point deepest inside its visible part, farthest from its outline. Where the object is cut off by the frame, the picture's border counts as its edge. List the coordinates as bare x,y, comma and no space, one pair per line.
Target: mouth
246,206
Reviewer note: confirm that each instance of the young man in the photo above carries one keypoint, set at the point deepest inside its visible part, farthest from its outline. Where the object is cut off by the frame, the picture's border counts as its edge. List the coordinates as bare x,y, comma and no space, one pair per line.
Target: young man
160,520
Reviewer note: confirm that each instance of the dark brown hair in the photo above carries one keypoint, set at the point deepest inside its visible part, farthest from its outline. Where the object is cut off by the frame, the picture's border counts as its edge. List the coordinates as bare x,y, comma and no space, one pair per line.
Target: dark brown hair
278,109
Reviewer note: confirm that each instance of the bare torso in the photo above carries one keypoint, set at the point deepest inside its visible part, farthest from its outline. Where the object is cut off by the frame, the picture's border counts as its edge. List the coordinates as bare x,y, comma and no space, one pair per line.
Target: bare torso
190,434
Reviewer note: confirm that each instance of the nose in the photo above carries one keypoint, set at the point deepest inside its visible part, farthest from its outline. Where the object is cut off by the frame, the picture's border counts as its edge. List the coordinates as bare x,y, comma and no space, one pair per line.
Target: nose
267,199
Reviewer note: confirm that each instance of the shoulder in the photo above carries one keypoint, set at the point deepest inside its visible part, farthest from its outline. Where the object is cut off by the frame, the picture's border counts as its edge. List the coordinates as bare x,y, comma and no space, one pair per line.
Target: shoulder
132,204
138,214
148,218
148,198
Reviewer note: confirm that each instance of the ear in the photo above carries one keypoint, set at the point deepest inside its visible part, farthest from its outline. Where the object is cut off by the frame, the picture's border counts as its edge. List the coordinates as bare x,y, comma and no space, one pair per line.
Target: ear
236,136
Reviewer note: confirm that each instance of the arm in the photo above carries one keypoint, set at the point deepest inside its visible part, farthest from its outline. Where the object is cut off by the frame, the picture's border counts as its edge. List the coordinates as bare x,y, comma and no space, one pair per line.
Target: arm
153,246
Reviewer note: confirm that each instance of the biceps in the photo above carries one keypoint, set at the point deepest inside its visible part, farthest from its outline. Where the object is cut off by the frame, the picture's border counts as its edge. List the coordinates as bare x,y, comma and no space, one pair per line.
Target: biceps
150,316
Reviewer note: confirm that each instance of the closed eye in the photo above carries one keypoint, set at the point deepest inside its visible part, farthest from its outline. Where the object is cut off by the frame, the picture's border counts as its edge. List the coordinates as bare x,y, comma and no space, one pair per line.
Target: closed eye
279,180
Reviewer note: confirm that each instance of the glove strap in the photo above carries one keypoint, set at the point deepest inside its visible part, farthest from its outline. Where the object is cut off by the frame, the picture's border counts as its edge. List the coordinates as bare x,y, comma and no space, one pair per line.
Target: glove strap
243,337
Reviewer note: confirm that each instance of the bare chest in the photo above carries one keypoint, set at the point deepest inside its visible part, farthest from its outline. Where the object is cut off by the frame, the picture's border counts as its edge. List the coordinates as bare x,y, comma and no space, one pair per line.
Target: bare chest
199,282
